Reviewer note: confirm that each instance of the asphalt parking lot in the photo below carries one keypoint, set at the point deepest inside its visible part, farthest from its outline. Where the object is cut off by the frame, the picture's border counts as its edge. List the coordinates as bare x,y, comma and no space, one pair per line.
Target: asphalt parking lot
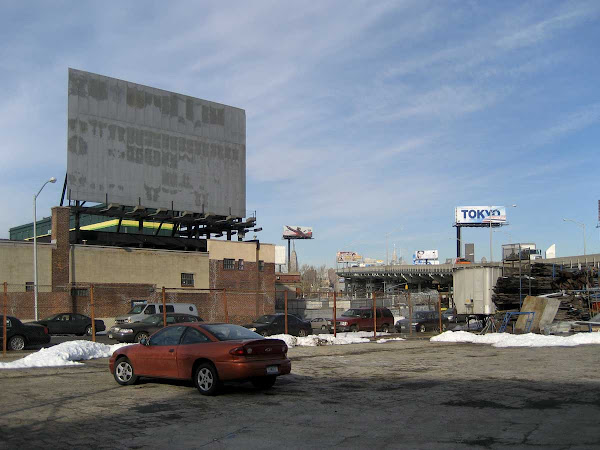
412,394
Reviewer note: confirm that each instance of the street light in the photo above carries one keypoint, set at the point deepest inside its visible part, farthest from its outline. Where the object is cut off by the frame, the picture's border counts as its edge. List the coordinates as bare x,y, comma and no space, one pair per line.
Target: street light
490,216
35,277
582,225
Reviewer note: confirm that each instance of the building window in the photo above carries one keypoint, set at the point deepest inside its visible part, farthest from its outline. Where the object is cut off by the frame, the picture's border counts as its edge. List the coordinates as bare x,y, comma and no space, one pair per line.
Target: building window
79,292
261,266
29,286
241,264
228,264
187,279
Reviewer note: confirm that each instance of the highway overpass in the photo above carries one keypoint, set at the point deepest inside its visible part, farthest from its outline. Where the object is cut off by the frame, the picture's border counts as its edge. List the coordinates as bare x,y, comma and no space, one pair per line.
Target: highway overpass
394,278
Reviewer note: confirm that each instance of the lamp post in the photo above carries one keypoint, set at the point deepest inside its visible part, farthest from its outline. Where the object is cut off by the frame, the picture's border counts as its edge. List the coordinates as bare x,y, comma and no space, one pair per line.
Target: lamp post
582,225
35,276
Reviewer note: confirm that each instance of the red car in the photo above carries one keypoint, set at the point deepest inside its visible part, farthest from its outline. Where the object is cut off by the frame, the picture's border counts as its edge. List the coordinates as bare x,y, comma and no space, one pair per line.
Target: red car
206,353
361,319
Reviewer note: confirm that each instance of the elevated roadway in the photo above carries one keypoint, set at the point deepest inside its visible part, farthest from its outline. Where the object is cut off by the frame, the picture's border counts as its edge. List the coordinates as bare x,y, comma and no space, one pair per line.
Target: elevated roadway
380,278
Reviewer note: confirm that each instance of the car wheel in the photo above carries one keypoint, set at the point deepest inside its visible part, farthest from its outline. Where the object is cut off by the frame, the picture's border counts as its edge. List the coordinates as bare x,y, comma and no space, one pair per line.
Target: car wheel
323,327
385,328
264,382
422,328
264,333
124,374
141,335
206,379
354,328
16,343
88,330
444,327
302,333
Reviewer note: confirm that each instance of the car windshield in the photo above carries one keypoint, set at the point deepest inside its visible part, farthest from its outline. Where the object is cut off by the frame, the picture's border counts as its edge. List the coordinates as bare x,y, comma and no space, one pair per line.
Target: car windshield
268,318
351,313
153,320
137,309
228,332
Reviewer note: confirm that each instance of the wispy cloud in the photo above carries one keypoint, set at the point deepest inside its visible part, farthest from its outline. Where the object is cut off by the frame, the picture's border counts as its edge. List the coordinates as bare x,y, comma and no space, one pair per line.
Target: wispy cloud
359,114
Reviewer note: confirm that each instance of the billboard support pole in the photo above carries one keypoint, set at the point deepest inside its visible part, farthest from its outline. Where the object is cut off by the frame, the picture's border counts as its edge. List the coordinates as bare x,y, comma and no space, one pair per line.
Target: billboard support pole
491,251
289,259
458,241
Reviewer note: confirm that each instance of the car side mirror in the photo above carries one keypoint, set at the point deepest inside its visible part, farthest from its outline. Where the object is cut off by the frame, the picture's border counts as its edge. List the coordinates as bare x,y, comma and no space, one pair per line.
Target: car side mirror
145,341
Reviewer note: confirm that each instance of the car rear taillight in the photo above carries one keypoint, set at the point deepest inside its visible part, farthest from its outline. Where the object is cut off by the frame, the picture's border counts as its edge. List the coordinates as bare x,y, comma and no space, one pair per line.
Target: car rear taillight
238,351
45,330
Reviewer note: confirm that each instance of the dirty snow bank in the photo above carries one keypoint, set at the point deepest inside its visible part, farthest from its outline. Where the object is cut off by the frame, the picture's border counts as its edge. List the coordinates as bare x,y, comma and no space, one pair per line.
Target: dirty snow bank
314,340
65,354
518,340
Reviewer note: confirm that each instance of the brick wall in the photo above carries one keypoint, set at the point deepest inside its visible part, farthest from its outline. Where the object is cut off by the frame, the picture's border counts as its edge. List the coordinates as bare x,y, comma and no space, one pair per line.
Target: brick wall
250,292
60,254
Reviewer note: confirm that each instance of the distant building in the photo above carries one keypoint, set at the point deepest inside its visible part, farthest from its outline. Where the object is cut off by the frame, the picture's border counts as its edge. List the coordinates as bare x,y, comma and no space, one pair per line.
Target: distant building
294,261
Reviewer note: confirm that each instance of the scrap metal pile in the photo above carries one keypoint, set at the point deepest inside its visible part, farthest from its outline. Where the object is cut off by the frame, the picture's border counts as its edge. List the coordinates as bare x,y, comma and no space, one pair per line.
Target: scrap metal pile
542,279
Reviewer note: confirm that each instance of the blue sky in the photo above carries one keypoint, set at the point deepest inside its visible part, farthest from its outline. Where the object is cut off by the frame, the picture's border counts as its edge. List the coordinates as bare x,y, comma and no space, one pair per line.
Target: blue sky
364,119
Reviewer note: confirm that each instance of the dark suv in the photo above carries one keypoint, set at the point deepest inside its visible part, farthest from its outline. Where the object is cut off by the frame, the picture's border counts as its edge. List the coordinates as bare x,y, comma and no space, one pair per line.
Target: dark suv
361,319
270,324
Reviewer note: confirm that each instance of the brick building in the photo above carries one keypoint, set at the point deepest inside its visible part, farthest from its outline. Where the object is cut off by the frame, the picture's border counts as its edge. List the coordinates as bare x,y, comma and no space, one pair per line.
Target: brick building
233,279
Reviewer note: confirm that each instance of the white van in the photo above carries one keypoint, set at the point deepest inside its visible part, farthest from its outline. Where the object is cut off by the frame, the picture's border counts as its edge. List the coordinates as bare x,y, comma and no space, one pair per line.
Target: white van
140,312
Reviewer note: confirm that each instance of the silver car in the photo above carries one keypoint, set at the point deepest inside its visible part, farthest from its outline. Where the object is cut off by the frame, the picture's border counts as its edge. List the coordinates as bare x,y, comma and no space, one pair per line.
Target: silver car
321,324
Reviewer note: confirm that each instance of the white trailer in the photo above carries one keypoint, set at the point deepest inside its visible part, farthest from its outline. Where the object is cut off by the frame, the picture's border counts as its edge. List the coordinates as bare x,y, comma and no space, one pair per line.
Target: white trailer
473,289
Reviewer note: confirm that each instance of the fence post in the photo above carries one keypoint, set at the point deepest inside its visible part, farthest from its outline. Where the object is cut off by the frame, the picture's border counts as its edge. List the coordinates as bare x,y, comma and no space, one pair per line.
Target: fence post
334,314
93,313
440,310
4,322
410,315
225,305
164,302
374,314
285,300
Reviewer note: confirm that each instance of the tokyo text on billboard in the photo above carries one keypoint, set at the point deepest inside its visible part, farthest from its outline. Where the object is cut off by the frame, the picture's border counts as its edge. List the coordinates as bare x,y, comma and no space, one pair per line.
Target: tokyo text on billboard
480,216
296,232
137,145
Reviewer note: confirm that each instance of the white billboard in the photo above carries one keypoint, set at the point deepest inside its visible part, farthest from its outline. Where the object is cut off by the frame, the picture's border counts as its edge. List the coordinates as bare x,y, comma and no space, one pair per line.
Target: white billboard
425,254
296,232
479,215
280,257
348,257
136,145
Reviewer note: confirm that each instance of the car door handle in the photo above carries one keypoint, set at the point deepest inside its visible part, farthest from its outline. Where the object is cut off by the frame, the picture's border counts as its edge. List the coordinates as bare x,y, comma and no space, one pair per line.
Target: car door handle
171,350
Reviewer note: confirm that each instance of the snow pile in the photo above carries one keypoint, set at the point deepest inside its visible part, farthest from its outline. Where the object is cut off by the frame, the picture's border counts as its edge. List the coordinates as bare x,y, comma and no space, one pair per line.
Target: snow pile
518,340
65,354
383,341
324,339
